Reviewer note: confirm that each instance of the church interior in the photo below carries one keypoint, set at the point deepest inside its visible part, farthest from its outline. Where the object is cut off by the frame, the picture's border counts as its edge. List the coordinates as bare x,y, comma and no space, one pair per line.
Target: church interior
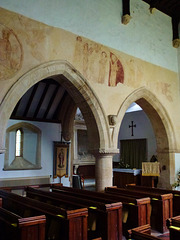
90,120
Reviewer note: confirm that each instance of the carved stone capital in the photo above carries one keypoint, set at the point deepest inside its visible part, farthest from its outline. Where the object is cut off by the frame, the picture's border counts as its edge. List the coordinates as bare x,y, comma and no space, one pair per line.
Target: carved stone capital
176,43
66,135
104,152
112,120
126,19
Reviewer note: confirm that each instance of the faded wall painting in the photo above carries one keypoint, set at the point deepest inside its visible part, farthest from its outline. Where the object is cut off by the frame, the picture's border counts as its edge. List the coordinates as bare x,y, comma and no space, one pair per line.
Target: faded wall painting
165,89
97,63
11,54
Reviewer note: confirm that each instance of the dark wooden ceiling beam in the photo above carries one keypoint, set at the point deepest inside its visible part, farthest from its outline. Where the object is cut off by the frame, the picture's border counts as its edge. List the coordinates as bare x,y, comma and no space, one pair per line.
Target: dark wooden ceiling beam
58,109
171,8
175,29
41,100
51,101
154,3
15,109
126,7
65,107
30,100
126,12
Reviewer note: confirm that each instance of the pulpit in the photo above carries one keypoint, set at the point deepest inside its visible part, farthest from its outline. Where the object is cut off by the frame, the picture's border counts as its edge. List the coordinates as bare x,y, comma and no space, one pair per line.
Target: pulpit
123,176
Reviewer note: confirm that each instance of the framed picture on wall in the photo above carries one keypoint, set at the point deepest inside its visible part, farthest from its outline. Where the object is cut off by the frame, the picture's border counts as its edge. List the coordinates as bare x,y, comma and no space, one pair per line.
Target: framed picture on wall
60,160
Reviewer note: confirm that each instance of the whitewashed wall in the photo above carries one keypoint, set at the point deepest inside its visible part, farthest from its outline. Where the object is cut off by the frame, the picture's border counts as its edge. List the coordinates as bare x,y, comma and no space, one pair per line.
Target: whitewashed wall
50,132
147,36
177,164
143,129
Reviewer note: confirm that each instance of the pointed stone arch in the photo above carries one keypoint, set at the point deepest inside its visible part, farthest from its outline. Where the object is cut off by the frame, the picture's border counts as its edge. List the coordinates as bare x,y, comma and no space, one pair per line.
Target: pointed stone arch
79,90
163,130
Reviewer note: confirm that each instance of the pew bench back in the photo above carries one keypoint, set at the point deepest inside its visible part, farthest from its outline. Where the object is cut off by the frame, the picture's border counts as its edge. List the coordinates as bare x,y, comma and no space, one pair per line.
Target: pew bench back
176,195
14,225
108,216
138,210
61,223
162,205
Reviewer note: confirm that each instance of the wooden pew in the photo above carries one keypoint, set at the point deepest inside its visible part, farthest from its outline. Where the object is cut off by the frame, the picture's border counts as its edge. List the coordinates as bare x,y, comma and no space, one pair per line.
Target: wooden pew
162,206
108,215
176,195
173,225
142,233
12,225
61,223
21,189
138,210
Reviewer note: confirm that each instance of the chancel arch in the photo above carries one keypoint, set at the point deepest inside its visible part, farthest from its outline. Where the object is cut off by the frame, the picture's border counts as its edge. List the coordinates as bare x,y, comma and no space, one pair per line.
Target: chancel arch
83,97
162,127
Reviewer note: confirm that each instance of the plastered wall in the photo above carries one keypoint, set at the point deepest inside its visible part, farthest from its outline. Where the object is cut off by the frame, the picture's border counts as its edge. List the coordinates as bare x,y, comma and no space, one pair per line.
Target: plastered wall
101,21
50,133
130,59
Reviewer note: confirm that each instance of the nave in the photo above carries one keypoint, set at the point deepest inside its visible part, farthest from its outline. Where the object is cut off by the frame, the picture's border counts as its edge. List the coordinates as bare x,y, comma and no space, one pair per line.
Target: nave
55,212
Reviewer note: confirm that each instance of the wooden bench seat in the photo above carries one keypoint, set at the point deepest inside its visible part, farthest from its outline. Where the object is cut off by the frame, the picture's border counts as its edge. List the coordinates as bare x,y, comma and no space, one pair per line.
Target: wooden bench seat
162,205
142,233
107,216
176,195
61,223
136,211
173,225
12,225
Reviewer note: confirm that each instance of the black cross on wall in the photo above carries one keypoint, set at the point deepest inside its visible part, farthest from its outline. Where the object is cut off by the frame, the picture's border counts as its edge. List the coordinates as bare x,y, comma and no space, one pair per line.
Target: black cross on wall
132,128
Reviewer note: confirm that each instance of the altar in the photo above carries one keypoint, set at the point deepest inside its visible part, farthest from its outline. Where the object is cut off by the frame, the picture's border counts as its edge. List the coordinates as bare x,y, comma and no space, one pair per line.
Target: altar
123,176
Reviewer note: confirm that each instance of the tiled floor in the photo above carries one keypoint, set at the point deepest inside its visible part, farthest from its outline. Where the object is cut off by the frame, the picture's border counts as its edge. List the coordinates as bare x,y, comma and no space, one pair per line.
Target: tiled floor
164,236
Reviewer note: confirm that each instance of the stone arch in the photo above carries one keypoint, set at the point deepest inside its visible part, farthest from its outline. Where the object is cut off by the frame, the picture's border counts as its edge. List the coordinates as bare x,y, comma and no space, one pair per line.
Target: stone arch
163,130
77,87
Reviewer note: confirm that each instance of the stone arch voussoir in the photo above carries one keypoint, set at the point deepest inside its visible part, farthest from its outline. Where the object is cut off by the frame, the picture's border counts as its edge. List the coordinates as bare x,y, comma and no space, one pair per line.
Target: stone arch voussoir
163,129
70,78
138,96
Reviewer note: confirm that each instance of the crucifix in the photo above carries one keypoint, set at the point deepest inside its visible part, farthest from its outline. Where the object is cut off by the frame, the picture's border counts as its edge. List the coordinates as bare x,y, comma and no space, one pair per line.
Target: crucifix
132,126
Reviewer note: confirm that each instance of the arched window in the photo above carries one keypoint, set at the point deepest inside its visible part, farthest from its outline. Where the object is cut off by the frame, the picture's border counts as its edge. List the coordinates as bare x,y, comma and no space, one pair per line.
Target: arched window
19,143
23,144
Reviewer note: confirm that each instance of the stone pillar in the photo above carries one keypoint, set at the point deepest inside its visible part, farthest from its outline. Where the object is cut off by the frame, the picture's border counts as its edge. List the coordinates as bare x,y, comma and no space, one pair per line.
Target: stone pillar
103,170
165,158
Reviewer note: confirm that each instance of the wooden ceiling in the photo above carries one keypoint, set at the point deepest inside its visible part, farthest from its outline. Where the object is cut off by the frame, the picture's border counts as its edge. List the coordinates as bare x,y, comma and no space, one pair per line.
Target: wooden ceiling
169,7
46,101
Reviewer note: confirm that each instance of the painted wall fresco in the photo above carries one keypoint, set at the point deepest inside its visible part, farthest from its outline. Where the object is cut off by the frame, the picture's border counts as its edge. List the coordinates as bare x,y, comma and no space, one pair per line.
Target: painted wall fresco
24,40
11,54
34,38
97,63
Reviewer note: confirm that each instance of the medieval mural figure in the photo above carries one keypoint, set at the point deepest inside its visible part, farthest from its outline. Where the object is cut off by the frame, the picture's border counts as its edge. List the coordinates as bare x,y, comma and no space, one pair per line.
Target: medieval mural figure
92,59
10,53
116,73
102,66
78,53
